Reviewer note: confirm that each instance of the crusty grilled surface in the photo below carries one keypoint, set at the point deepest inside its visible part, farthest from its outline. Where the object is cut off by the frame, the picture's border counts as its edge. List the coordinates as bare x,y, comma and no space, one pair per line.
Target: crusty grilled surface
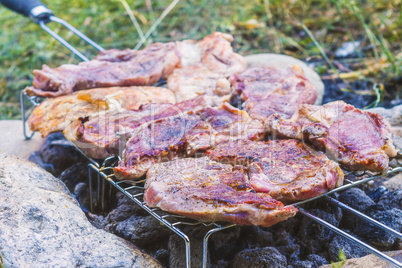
209,191
162,140
54,115
110,68
106,134
205,67
231,123
271,91
287,170
359,140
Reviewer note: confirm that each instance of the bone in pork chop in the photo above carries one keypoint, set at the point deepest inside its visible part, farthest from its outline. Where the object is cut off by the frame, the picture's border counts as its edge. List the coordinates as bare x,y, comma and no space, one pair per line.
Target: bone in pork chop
271,91
107,133
205,67
209,191
54,115
359,140
285,169
110,68
161,141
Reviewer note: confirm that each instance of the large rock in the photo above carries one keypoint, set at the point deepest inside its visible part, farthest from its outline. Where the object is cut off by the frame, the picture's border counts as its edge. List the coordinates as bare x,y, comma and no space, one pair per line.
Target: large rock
42,225
368,261
13,142
284,61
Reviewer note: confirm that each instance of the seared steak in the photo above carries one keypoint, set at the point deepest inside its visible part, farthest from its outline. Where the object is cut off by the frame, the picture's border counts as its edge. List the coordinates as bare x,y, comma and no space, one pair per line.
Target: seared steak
54,115
209,191
231,123
285,169
110,68
162,140
359,140
271,91
205,67
107,133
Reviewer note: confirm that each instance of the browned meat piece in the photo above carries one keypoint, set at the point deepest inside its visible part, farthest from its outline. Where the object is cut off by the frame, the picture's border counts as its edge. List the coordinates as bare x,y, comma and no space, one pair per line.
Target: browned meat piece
54,115
359,140
110,68
231,123
107,133
192,81
161,141
205,67
285,169
209,191
270,91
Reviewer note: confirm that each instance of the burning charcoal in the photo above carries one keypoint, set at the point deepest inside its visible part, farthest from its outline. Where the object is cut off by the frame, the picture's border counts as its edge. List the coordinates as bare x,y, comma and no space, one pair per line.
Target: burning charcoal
258,236
392,199
81,193
286,244
377,193
162,255
376,236
259,257
357,199
125,208
349,248
313,234
141,230
57,154
302,264
317,260
223,243
75,174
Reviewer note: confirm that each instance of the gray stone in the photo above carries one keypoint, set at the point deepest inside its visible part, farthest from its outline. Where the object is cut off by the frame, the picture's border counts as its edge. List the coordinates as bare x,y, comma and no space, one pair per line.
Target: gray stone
349,249
284,61
13,142
42,225
260,257
368,261
394,183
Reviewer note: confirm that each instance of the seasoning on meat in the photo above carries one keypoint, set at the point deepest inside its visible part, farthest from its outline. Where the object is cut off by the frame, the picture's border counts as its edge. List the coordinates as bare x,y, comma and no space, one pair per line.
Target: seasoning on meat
209,191
359,140
54,115
287,170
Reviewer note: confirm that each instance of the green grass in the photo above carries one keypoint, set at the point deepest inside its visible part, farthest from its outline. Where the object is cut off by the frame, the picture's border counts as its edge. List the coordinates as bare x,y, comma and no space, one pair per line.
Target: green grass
303,29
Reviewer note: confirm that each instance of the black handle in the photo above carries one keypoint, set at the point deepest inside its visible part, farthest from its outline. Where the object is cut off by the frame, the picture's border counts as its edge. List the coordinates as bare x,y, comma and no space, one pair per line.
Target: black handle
33,8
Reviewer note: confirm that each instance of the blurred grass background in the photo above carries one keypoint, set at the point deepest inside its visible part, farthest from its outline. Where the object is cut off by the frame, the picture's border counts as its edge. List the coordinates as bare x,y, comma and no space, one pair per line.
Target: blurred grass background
306,29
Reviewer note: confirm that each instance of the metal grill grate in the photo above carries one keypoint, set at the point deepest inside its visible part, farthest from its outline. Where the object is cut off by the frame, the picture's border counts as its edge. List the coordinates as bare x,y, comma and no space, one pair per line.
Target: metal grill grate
104,174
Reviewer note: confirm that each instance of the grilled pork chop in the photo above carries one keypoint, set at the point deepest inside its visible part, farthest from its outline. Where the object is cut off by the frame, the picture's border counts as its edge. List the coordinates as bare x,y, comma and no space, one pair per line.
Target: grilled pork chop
272,91
107,133
54,115
162,140
359,140
110,68
231,124
205,67
209,191
285,169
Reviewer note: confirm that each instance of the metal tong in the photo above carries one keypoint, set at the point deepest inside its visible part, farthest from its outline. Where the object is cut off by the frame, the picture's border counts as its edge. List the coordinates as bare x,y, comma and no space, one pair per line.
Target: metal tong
43,15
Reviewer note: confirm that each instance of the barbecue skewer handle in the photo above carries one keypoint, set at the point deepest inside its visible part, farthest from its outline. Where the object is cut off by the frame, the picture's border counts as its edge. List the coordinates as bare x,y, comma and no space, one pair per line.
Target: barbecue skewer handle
29,8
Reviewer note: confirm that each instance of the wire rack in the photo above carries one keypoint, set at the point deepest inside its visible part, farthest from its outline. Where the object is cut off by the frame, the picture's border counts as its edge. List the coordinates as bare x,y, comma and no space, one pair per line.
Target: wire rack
104,174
